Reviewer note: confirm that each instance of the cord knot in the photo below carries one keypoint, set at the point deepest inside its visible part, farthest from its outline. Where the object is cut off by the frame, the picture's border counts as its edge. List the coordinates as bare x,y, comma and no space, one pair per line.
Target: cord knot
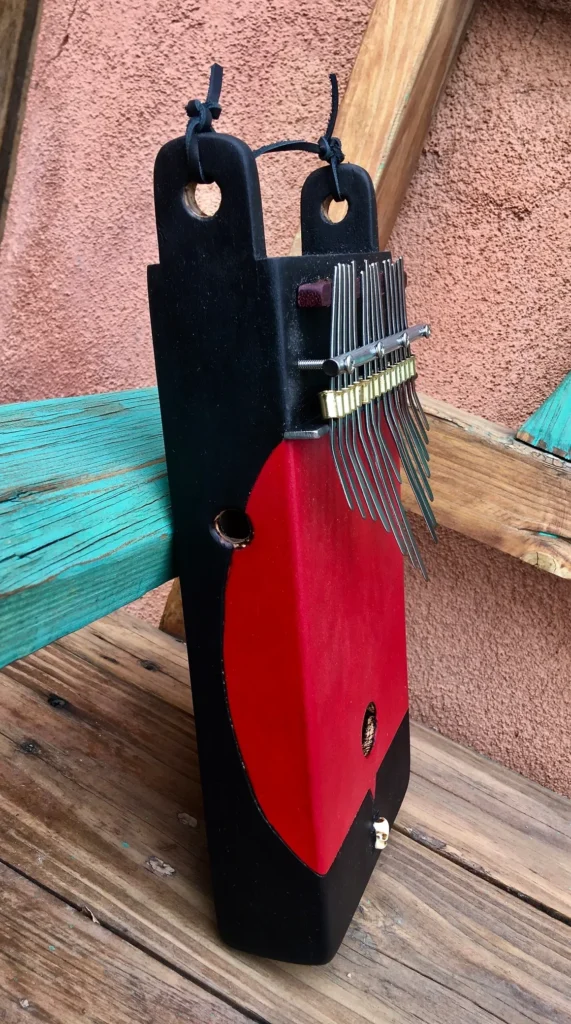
201,114
330,149
204,113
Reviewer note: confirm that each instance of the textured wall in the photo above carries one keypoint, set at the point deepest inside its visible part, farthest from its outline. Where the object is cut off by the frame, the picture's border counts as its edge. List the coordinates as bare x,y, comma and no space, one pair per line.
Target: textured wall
485,230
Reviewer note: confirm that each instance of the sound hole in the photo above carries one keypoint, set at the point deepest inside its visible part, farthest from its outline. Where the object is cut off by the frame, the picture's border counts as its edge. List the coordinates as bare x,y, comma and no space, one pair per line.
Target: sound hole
369,730
233,528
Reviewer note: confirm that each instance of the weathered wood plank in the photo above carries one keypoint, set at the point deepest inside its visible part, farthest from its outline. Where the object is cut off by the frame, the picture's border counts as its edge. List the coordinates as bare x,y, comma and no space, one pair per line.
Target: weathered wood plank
18,21
402,65
490,819
59,965
497,490
84,513
92,792
85,521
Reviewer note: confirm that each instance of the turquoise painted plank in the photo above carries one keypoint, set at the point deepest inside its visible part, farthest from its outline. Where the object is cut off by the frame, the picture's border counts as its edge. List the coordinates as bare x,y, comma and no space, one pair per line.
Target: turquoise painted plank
84,513
549,427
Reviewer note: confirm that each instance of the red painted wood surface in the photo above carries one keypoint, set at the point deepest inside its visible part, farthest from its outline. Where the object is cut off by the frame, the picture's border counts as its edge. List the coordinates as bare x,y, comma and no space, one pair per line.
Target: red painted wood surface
314,631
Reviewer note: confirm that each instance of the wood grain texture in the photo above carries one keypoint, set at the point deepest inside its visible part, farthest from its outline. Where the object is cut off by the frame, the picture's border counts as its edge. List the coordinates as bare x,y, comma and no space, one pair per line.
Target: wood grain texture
402,65
100,802
84,513
490,486
18,22
492,820
60,965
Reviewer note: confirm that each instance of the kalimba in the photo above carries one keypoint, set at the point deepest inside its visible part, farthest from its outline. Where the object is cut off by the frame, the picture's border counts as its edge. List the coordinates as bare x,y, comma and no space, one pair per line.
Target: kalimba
287,393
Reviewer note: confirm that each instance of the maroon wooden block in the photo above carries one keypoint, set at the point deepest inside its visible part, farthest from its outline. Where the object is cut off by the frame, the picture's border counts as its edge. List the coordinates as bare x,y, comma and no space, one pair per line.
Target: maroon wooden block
314,294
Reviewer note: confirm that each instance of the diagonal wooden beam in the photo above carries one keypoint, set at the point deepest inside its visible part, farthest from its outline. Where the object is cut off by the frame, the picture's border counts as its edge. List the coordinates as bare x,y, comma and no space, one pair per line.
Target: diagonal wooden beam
18,24
407,51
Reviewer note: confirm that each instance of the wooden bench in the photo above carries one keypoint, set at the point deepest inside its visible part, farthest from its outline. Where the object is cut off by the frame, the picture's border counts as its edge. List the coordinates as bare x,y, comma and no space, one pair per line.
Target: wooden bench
105,913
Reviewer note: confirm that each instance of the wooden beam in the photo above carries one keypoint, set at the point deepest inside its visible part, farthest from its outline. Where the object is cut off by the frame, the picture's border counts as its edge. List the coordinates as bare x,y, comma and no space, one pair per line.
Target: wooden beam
548,426
84,513
85,524
407,51
18,23
491,487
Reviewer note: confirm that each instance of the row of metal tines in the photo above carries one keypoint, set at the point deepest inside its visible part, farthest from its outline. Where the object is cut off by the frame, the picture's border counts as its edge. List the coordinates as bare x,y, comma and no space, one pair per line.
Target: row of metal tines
361,436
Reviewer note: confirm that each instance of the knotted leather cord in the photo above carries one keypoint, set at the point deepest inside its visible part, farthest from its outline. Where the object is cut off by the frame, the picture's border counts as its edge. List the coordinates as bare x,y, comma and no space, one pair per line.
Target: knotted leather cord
201,115
327,148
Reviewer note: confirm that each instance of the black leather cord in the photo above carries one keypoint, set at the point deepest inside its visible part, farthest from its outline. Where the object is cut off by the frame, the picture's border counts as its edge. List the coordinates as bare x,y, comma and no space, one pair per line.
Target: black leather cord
202,114
328,147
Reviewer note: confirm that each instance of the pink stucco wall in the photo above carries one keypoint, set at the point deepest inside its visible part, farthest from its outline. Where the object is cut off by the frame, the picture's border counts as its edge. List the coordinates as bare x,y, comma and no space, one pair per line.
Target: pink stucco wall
485,229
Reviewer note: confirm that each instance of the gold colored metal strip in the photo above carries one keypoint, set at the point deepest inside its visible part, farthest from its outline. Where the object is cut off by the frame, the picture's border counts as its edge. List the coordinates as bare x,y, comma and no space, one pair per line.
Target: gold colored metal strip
338,404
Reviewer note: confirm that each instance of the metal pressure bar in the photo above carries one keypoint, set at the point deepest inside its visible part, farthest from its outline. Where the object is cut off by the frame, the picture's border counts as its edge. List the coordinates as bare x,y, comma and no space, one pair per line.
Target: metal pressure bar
346,362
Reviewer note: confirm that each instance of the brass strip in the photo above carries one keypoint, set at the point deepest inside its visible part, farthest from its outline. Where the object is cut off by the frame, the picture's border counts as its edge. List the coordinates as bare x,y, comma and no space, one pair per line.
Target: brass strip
337,404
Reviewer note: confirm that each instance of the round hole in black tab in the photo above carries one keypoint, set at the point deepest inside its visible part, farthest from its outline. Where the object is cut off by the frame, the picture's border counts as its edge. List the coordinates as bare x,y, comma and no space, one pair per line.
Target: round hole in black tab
202,200
334,212
233,528
369,728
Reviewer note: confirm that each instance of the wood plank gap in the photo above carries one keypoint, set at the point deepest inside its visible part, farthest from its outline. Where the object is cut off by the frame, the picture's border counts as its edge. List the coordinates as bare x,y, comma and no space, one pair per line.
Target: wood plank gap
136,944
440,848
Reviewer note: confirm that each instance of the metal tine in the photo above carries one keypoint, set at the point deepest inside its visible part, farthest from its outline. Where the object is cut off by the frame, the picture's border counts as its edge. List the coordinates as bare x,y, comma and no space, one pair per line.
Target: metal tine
412,437
389,413
415,423
408,437
408,387
375,332
353,336
416,403
383,473
420,465
372,328
335,430
350,341
371,447
383,317
368,446
349,422
344,432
